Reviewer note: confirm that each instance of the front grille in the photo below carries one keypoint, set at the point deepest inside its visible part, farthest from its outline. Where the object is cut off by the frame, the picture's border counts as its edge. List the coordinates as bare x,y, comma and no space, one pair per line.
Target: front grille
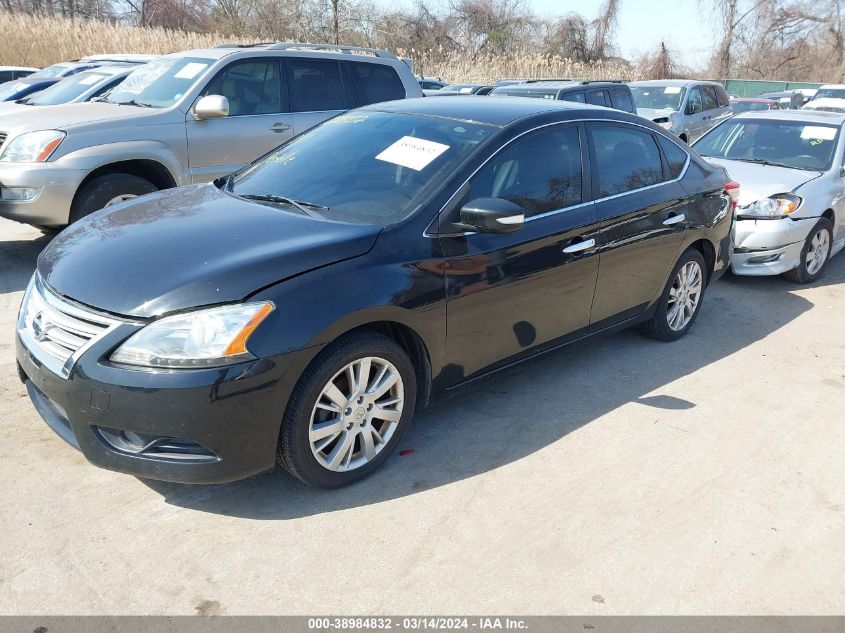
57,332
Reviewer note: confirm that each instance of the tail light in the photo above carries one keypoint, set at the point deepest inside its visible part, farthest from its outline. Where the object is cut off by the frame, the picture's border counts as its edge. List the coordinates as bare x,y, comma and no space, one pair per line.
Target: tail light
732,189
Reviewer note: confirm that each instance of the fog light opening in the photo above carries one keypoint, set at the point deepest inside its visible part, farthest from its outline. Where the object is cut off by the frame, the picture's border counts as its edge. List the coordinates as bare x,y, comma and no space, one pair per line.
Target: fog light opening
157,446
765,259
18,193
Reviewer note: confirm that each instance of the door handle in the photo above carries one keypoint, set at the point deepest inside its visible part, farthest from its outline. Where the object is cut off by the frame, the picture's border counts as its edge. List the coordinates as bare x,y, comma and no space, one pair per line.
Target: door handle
674,219
279,127
578,247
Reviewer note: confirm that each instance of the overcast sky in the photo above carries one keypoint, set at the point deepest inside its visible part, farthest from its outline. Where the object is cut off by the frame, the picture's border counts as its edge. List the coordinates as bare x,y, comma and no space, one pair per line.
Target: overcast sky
682,24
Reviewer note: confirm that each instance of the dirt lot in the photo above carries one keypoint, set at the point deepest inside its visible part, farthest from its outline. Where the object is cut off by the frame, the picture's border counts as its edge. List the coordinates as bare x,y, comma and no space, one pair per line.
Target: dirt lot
619,476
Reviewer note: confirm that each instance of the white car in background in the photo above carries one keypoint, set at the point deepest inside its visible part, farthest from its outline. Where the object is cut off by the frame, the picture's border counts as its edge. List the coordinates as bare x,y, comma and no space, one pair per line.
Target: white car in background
790,216
825,104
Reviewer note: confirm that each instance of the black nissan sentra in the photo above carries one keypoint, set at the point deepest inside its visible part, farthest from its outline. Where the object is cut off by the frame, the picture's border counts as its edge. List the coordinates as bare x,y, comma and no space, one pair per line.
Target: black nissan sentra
302,310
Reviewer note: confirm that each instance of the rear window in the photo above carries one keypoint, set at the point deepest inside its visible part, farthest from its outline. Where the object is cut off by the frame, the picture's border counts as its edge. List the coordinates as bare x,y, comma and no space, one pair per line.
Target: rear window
376,82
598,97
577,97
622,99
315,85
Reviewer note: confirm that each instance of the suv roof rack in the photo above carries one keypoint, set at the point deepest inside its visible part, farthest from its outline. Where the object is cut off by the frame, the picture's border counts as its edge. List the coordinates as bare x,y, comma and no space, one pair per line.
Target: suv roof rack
254,45
537,81
348,50
603,81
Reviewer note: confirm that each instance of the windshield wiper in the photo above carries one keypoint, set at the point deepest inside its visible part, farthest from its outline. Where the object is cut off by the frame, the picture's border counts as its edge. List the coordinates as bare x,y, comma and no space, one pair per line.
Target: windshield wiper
266,197
132,102
763,161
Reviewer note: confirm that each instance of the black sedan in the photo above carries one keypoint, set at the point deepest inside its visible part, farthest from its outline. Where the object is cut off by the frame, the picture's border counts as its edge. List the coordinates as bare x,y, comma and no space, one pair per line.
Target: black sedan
300,311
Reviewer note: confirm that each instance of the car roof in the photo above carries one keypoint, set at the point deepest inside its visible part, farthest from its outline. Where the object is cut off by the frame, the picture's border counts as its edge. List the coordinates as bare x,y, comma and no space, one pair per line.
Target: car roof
673,82
753,100
320,51
500,112
805,116
18,68
782,93
115,69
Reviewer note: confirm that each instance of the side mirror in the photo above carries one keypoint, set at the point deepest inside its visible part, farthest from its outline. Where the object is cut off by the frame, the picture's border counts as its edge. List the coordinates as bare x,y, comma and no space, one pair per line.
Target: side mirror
492,215
212,107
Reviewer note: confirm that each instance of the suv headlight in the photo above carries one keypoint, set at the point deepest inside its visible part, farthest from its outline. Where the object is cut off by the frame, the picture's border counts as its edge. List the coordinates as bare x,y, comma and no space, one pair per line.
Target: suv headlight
32,147
774,207
205,338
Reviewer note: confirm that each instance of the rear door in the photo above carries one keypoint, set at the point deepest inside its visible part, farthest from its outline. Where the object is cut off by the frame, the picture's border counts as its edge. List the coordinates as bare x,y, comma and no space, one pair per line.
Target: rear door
513,293
258,119
641,207
319,89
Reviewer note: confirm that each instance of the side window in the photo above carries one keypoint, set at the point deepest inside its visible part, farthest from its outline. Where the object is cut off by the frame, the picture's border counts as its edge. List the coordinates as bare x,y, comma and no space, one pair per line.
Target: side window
252,87
708,94
376,82
722,97
626,159
18,74
540,173
598,97
315,85
675,156
575,96
694,104
6,75
622,99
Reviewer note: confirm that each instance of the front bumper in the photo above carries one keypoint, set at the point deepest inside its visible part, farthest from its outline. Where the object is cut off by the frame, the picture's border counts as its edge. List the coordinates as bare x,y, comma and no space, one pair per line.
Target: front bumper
769,247
56,188
218,425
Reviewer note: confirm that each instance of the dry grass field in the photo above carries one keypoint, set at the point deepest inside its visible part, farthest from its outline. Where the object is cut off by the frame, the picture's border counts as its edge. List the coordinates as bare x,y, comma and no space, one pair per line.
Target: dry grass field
40,41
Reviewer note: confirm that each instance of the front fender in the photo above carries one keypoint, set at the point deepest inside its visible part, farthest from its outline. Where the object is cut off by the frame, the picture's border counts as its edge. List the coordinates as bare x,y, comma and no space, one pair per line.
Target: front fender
96,156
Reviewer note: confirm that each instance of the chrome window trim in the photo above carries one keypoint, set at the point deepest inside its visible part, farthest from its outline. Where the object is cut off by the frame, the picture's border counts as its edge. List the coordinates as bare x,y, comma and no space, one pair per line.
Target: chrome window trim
581,204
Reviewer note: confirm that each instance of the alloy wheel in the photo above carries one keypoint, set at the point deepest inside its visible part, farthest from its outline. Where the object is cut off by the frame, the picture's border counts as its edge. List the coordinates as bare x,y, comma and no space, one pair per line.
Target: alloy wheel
356,414
817,251
684,296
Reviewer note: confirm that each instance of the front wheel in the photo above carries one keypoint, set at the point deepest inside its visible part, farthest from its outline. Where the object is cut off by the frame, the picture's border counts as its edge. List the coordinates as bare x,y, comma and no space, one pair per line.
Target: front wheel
348,411
814,254
107,190
680,302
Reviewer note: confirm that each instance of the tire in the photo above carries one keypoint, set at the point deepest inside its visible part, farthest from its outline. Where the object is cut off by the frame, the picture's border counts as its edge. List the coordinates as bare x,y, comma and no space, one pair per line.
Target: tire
660,325
312,464
817,249
102,190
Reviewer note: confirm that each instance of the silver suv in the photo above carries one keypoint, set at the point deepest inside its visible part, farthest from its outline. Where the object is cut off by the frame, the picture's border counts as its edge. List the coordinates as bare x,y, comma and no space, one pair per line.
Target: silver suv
687,108
184,118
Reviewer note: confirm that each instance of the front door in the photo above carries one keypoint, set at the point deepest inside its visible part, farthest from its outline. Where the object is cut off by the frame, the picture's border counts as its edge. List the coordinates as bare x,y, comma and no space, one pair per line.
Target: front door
641,208
514,293
258,119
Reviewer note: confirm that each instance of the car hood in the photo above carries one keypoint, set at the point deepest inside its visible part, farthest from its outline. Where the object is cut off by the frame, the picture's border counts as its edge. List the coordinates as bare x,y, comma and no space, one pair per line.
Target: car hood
761,181
61,117
190,247
653,113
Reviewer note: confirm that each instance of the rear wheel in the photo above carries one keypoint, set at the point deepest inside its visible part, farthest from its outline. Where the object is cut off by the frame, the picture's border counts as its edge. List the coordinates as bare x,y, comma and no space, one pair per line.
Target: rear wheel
349,411
107,190
681,300
814,254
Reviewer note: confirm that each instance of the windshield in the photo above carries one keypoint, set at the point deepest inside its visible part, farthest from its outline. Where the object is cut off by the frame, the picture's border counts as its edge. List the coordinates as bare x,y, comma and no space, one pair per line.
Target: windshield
51,71
830,93
788,143
161,83
658,97
748,106
67,89
365,167
12,88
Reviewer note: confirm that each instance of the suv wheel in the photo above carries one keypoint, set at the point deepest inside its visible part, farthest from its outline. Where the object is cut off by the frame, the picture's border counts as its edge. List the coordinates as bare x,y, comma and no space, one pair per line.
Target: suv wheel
106,190
814,255
349,410
681,300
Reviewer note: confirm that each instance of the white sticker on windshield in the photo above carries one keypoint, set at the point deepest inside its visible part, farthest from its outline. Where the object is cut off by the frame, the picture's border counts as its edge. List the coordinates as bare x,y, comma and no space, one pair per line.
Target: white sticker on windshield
190,71
90,79
818,132
672,90
411,152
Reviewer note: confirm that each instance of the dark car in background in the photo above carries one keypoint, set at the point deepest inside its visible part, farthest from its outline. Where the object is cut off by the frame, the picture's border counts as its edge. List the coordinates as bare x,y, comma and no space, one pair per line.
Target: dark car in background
301,310
609,94
753,104
788,99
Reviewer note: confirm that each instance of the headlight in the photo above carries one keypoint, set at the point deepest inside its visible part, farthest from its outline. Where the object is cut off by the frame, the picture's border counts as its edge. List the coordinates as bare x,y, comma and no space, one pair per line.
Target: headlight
777,206
32,147
205,338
